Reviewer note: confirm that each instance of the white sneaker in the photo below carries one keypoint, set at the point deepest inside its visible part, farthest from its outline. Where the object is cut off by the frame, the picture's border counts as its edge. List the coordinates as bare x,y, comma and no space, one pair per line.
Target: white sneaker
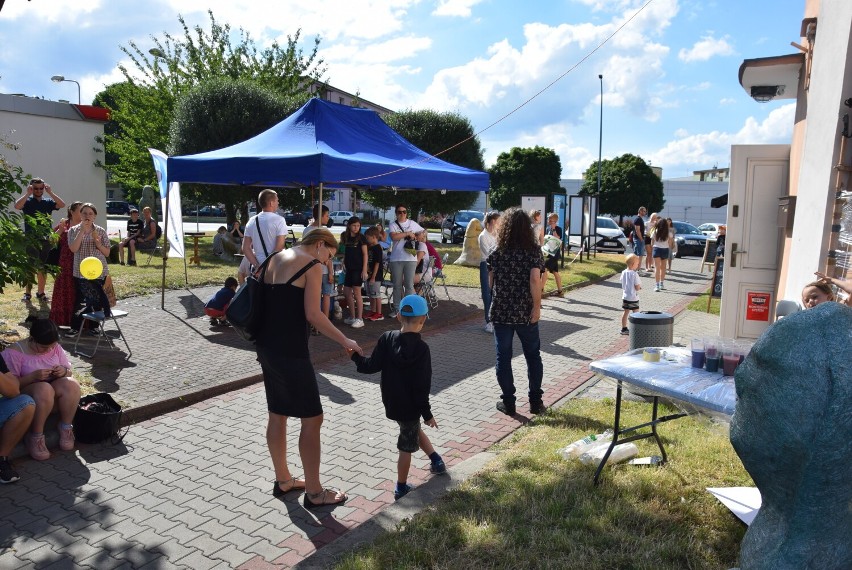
489,328
357,323
349,320
662,286
657,288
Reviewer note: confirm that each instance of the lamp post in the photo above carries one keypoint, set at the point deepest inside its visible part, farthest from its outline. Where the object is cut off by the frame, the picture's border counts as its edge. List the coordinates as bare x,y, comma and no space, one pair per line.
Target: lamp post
600,150
61,78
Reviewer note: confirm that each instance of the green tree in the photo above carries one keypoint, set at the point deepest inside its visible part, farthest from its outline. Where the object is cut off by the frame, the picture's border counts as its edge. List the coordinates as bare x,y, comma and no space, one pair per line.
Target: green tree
17,265
524,172
222,112
627,182
433,132
142,107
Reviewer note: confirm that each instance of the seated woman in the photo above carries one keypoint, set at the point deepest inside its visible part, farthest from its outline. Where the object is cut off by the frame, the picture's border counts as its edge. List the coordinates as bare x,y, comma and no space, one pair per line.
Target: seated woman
422,258
236,233
44,372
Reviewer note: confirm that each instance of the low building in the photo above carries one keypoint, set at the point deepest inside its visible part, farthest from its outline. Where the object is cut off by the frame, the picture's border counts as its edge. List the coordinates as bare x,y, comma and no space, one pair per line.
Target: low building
56,141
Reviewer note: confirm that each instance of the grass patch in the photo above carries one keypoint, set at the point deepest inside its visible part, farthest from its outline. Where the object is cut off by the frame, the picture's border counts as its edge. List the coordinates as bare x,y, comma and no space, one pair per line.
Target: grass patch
700,304
531,509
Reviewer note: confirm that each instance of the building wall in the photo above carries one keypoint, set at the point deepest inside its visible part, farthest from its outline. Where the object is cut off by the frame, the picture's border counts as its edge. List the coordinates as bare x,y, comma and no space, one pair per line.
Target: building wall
54,143
831,83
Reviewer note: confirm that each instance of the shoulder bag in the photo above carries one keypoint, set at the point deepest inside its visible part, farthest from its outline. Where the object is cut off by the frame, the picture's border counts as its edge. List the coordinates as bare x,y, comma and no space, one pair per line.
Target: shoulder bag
246,307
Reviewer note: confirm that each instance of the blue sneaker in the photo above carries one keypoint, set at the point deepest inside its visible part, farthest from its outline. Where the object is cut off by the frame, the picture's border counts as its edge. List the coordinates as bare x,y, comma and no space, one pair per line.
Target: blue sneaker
438,467
400,492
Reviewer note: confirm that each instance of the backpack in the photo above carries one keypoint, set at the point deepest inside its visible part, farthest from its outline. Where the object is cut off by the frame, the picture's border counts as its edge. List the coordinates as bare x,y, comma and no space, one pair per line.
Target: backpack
159,231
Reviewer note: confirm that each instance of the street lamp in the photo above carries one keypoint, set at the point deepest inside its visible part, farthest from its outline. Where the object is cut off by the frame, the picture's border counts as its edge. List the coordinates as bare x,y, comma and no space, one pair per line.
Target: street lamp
61,78
600,149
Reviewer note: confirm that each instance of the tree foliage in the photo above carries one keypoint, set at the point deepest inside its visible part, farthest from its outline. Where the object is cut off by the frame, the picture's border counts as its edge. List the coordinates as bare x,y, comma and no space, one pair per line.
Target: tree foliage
524,172
433,132
223,112
627,182
17,265
142,106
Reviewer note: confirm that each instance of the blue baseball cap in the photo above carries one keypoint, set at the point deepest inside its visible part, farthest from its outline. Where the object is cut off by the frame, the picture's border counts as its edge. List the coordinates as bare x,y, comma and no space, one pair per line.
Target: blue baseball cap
413,306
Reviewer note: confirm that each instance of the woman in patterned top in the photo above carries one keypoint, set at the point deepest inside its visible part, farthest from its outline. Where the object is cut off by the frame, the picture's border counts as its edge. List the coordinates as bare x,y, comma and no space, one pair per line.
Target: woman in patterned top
87,239
514,274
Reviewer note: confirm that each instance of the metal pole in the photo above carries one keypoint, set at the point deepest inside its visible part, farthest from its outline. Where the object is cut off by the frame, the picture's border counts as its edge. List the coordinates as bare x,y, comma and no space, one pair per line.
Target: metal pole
600,153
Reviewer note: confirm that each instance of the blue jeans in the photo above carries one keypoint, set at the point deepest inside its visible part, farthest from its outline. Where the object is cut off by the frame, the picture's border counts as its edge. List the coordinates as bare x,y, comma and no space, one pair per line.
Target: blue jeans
486,290
531,344
639,247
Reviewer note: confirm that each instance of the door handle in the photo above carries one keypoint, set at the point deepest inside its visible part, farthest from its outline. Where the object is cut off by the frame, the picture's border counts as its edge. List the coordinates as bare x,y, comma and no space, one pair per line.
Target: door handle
734,252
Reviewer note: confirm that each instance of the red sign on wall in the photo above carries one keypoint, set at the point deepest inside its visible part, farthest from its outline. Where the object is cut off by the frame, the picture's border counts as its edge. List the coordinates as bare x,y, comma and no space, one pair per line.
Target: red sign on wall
757,306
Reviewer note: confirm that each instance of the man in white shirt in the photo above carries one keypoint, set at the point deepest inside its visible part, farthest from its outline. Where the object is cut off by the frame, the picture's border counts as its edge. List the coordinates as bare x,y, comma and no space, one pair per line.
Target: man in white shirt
265,229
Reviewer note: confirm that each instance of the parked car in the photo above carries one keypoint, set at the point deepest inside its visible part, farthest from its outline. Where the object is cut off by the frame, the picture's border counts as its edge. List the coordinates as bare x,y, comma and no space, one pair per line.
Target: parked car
339,217
690,240
454,226
610,237
117,207
212,212
710,230
298,218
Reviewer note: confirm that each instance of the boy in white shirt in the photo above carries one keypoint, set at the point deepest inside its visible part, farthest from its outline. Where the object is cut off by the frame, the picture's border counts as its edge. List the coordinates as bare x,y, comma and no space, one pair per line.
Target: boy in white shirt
630,287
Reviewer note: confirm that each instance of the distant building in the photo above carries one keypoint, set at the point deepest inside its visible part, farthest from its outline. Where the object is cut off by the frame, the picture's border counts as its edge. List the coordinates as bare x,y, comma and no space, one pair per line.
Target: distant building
56,141
328,92
712,175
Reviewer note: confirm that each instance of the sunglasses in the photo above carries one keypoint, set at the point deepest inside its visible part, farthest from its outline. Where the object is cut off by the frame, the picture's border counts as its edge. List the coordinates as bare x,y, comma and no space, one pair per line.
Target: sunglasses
402,211
38,187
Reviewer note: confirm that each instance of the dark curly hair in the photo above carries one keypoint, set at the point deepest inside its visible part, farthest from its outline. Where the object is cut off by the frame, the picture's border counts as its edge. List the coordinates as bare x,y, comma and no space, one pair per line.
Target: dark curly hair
516,231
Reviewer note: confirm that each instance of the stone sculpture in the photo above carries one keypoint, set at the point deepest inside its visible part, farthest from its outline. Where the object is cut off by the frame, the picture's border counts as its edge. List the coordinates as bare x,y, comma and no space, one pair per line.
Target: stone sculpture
793,432
471,256
149,199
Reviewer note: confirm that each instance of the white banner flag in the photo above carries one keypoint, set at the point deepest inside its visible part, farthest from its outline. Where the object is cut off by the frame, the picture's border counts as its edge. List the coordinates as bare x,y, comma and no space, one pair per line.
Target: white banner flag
174,216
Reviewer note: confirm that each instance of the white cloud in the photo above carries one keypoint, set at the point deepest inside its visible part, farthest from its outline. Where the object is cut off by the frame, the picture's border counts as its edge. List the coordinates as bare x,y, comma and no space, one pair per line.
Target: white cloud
715,146
65,12
508,75
706,48
459,8
727,101
574,159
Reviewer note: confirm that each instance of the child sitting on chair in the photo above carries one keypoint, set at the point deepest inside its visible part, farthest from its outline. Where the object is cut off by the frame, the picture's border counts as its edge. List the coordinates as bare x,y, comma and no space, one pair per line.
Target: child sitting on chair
406,366
217,304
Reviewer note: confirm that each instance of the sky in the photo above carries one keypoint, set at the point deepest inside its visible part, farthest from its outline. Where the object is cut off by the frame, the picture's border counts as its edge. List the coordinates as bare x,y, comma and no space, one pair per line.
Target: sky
525,73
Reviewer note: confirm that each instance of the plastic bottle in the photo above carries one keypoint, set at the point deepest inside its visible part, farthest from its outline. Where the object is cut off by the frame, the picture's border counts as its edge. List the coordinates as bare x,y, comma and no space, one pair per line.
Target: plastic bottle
580,446
621,452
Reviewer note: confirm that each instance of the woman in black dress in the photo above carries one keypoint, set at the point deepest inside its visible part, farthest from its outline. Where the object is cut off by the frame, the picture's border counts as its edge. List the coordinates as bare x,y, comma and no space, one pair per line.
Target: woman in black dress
292,300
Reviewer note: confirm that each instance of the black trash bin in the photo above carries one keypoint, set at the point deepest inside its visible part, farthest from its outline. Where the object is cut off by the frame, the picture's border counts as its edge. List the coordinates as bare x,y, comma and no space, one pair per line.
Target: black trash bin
650,328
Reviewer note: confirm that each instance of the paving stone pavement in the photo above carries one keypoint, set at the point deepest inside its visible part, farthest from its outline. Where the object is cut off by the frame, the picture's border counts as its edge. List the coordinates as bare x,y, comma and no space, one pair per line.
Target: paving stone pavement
191,488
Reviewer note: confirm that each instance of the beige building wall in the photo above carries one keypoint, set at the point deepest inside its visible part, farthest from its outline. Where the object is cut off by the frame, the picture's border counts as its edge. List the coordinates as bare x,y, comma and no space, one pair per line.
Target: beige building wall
55,143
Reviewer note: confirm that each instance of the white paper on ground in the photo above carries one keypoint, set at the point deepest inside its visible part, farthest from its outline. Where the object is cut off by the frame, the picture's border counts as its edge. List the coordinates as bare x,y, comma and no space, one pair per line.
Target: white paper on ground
743,501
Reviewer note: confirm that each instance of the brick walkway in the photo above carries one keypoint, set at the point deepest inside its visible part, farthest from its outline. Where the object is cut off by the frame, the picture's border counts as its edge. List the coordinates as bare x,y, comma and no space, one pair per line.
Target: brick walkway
191,488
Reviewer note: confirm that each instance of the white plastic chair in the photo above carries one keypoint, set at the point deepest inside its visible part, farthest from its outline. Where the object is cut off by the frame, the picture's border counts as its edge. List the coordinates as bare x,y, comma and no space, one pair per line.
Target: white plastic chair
786,307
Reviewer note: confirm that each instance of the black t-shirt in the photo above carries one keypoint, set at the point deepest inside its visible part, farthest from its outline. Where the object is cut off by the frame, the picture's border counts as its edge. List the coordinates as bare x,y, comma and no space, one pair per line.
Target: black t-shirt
33,207
638,222
134,227
3,368
375,256
353,257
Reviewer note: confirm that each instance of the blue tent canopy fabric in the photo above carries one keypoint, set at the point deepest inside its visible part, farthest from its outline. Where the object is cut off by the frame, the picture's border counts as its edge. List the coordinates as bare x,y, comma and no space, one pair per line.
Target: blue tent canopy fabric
331,144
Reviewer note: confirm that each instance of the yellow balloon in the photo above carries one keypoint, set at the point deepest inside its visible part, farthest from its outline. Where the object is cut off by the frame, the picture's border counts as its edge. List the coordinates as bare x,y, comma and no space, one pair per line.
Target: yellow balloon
91,268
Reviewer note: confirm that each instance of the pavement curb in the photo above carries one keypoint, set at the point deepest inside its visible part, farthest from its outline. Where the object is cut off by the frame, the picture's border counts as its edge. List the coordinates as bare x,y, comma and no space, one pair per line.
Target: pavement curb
389,518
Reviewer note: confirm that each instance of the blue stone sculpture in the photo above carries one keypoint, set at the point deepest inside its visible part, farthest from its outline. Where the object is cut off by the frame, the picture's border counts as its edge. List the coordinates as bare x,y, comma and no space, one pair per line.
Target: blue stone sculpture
793,432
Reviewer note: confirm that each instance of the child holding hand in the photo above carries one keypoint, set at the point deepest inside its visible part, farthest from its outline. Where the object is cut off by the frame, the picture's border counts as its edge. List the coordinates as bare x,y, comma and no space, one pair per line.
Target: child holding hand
630,287
375,256
405,362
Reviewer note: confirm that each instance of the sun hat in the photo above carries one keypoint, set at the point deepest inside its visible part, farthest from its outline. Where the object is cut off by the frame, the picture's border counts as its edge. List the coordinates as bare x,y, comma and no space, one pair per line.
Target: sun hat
413,306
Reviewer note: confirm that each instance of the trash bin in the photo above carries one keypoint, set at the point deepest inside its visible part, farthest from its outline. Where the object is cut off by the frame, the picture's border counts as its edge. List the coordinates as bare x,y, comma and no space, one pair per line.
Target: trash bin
650,328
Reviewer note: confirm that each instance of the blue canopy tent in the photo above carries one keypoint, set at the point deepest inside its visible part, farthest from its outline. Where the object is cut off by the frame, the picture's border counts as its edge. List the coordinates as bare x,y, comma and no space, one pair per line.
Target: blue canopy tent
331,144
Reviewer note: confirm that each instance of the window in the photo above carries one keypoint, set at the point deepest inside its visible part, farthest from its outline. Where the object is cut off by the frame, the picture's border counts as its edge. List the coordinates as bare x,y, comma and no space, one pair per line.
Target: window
341,100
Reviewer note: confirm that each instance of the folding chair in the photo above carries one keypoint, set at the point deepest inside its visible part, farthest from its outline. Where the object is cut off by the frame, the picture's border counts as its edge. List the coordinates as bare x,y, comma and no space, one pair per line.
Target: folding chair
425,288
387,284
439,274
100,319
158,249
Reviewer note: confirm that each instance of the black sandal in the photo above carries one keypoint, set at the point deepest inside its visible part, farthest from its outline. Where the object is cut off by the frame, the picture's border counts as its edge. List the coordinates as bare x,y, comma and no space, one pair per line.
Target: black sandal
277,491
309,499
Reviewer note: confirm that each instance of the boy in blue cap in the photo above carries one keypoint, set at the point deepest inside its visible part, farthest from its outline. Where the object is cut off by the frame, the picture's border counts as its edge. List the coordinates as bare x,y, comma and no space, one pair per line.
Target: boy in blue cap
406,366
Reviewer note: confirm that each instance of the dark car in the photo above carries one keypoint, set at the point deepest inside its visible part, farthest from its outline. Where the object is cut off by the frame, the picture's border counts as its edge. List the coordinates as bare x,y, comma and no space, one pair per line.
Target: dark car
454,226
298,218
212,212
117,207
690,240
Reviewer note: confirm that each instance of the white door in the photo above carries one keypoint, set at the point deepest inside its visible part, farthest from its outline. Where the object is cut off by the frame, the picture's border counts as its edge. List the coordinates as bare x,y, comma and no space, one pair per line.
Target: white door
759,177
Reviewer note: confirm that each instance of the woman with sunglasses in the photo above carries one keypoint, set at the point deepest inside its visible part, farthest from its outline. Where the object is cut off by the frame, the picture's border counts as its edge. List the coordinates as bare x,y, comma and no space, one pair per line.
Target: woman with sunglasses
43,369
291,297
402,263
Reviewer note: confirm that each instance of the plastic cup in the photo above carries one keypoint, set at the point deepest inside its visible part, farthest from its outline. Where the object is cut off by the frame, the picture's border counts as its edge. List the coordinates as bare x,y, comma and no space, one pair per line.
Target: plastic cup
730,360
711,346
711,363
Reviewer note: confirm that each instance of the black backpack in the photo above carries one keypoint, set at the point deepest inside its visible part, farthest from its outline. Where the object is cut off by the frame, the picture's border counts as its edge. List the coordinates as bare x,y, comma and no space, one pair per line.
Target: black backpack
159,231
